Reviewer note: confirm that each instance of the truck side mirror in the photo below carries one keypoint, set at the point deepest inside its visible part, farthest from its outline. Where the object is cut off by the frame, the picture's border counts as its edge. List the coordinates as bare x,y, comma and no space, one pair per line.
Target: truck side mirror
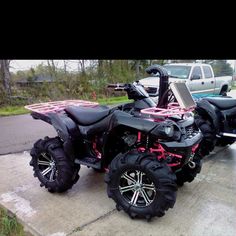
195,77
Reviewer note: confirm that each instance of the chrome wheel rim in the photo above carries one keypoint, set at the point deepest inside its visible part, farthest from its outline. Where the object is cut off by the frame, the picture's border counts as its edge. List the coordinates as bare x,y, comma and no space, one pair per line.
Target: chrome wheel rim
47,167
137,188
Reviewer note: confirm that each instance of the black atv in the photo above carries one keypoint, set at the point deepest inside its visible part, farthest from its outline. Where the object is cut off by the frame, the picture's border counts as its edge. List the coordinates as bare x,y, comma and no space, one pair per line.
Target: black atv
141,156
141,100
216,117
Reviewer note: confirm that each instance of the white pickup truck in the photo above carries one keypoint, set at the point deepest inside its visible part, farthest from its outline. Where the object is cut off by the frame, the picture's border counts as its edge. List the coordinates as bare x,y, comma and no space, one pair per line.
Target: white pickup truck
198,77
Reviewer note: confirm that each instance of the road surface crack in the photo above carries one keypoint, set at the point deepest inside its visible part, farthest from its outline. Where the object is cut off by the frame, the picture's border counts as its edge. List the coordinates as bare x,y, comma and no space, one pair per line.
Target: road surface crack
91,222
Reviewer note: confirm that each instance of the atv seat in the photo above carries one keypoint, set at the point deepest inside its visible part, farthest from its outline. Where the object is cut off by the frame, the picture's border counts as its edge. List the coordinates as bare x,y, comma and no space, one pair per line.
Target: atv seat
222,103
87,115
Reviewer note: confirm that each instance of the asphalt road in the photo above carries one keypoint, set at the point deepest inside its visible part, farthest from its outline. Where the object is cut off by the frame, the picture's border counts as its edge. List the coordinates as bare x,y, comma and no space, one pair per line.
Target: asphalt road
18,133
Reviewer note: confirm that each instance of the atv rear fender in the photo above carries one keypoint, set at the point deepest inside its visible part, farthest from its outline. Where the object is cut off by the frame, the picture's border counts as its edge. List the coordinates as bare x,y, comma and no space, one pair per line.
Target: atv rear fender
66,129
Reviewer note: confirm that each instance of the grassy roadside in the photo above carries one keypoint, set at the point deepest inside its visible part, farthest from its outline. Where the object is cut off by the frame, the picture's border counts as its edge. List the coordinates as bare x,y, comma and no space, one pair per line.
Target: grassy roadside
18,110
113,100
12,110
9,225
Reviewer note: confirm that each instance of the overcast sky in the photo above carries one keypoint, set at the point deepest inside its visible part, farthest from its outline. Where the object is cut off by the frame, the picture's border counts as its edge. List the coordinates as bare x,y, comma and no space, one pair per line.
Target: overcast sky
73,65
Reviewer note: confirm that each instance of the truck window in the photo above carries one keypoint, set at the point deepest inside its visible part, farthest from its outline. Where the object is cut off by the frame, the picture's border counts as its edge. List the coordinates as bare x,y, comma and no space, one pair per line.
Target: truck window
197,71
207,72
177,71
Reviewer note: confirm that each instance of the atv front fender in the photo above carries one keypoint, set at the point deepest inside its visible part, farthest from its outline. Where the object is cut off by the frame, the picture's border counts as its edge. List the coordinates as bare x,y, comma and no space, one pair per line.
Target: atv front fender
205,109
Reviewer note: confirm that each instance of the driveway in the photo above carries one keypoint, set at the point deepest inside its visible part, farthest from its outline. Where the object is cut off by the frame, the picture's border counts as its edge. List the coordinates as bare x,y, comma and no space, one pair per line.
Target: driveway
207,206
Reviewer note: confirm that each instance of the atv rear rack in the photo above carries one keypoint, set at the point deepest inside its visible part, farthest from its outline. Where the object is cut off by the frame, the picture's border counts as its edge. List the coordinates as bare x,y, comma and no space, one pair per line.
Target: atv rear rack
172,110
57,106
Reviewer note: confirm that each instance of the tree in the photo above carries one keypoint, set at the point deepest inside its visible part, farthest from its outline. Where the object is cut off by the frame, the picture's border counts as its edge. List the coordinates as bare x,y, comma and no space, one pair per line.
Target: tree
100,68
137,68
182,61
81,66
221,68
157,61
6,76
51,68
65,66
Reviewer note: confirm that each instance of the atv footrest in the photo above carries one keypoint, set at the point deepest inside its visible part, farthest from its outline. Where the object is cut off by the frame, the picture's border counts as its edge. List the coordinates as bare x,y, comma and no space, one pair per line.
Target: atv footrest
90,162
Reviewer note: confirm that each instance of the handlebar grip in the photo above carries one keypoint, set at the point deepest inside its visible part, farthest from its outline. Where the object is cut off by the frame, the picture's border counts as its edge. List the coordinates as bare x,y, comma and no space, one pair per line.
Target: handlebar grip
111,85
118,85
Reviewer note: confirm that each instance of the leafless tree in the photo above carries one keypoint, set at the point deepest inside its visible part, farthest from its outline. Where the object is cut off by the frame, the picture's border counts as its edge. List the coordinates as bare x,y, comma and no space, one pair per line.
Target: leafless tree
81,66
6,76
100,68
65,62
51,67
137,68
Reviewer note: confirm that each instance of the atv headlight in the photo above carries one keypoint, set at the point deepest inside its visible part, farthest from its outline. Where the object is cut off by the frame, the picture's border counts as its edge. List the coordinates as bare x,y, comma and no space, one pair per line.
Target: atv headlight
187,115
165,130
169,130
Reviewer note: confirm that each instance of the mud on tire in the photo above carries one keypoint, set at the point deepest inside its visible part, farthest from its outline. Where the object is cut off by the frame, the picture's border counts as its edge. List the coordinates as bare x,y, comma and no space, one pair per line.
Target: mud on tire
51,166
187,174
209,135
141,185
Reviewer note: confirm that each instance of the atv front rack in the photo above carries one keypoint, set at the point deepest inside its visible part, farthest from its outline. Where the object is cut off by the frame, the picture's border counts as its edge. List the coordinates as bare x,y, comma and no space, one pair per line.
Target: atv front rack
172,109
57,106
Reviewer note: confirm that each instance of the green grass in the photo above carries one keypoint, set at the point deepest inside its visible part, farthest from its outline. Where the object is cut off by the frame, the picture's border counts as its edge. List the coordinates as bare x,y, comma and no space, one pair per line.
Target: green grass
12,110
113,100
9,225
18,110
233,87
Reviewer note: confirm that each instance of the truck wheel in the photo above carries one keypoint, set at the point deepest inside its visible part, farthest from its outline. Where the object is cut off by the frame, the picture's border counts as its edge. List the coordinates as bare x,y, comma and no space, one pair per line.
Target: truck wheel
51,166
224,94
209,135
224,90
141,185
188,174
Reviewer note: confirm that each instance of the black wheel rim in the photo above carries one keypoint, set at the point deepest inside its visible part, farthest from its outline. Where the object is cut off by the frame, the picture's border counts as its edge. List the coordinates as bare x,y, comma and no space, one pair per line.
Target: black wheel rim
47,167
137,188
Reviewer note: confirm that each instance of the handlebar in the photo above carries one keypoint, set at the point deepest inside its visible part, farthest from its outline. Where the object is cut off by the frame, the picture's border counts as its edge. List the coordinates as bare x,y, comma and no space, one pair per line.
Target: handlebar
122,86
118,85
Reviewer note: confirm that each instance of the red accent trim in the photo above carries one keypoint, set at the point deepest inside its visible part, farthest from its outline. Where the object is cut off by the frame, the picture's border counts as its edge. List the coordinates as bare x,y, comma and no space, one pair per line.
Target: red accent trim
142,149
139,136
174,164
162,153
98,154
194,148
